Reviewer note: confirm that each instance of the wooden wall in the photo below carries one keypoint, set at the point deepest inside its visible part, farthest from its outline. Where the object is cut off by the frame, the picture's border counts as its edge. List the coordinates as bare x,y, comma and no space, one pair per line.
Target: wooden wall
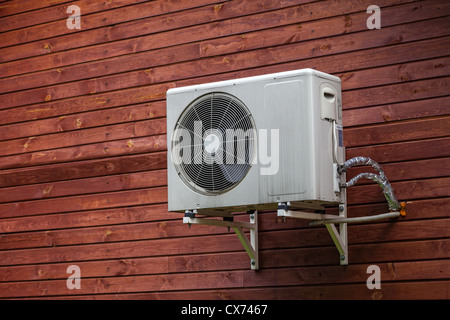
83,147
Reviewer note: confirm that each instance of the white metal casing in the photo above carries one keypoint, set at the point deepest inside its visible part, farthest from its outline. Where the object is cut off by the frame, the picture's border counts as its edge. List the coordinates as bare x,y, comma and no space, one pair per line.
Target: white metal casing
293,102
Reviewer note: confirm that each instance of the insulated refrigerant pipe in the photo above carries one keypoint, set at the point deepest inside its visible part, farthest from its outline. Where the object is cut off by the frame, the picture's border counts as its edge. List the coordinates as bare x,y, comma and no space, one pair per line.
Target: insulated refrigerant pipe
389,215
380,179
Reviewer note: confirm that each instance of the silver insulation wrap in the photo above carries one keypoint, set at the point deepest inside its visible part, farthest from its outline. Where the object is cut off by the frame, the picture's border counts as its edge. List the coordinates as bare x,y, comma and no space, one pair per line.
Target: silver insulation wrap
380,179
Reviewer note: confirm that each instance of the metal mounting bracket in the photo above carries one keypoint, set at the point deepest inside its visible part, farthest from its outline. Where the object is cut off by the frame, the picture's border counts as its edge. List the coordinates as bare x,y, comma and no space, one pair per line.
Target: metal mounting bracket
339,237
330,221
250,245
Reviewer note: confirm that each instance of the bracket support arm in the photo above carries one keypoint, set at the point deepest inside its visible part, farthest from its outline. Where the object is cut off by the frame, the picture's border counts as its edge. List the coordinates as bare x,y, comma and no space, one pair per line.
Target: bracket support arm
250,245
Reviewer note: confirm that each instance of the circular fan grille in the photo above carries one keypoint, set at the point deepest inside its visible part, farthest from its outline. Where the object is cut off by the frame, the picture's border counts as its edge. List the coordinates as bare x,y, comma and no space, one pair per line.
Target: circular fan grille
215,139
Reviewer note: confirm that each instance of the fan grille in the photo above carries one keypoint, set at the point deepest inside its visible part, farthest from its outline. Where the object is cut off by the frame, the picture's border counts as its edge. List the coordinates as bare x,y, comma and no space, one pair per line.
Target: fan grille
215,139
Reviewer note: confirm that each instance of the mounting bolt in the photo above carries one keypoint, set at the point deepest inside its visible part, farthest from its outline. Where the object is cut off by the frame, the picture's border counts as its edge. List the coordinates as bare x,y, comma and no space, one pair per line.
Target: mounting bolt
341,208
342,257
253,262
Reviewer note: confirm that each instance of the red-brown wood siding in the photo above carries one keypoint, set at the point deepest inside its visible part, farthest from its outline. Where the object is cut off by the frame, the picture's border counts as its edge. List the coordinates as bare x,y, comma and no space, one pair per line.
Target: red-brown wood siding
83,147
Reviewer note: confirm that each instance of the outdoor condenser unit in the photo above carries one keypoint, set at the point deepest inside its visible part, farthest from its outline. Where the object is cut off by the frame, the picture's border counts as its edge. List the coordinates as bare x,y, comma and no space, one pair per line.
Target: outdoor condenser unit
254,142
266,142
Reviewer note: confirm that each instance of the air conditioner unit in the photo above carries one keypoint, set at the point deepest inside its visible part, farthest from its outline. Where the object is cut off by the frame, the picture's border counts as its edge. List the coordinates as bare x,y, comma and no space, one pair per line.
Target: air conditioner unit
255,142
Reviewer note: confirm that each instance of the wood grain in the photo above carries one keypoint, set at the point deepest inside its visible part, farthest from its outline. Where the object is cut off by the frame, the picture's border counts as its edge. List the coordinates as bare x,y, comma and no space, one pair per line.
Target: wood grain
83,148
316,48
228,279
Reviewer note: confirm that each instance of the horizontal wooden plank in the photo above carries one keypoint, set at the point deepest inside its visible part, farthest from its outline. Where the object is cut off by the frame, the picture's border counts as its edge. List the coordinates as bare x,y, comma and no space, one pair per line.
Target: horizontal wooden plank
153,230
362,253
252,41
102,217
350,80
140,231
84,120
371,233
19,146
385,113
231,279
417,129
396,73
146,179
135,29
404,191
330,64
429,290
120,250
397,111
139,283
102,117
227,261
85,136
418,209
308,12
56,12
170,229
395,93
90,151
92,102
241,61
417,270
84,202
106,14
83,152
234,61
147,11
83,169
340,62
15,7
411,170
403,151
277,239
119,267
387,230
417,290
